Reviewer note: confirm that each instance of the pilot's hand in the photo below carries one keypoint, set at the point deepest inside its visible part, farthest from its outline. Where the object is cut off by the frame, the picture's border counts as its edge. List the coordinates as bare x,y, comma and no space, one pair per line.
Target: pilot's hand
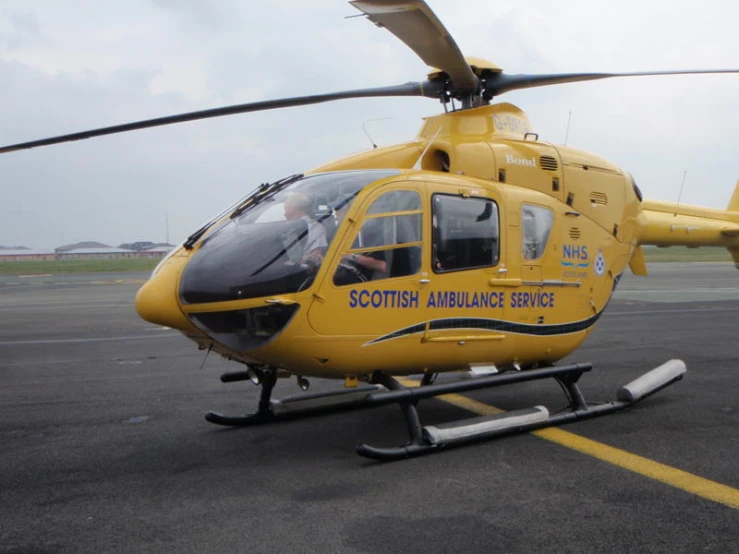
310,263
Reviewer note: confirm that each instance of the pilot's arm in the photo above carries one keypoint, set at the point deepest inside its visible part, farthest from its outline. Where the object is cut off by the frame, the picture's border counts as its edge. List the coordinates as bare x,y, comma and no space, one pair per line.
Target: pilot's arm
316,243
367,261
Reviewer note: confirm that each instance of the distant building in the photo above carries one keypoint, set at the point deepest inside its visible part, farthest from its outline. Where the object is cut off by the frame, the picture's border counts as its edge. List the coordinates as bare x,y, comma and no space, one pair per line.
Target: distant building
156,251
105,253
25,254
86,251
138,245
80,245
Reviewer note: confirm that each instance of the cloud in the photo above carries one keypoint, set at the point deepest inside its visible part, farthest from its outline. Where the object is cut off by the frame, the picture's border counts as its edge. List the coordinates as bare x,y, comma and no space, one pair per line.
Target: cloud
83,64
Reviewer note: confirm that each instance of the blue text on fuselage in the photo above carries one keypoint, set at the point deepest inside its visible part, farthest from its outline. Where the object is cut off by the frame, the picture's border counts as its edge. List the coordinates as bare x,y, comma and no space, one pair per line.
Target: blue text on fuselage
450,299
532,300
465,299
575,252
383,299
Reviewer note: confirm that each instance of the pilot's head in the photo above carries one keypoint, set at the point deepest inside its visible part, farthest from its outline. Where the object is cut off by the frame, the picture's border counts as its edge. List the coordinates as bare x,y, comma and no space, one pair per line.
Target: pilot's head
296,206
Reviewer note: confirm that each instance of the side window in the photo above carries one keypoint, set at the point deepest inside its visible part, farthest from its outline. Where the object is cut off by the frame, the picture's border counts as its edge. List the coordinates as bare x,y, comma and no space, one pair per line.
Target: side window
536,224
388,243
396,201
465,233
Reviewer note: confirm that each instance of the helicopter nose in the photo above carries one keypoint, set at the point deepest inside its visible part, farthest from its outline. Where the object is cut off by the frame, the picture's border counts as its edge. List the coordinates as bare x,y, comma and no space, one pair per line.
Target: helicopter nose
157,301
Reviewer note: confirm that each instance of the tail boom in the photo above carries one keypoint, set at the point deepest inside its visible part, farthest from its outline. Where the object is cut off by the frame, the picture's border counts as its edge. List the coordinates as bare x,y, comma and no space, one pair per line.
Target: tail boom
668,224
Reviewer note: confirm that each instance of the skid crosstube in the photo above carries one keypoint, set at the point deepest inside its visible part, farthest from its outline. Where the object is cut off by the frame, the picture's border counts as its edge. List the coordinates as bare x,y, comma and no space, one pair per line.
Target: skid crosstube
422,440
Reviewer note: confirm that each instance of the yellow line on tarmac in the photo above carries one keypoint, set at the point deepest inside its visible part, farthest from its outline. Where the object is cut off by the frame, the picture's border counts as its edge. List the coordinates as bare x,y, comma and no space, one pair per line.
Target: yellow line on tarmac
699,486
677,478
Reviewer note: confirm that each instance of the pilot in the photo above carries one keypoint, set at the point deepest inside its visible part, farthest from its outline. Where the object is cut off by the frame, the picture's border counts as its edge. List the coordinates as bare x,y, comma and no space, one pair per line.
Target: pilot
365,264
298,206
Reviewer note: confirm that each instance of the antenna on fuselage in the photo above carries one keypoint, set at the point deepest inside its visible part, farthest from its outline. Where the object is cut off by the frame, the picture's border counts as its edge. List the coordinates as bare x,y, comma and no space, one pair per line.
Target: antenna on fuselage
679,196
567,132
364,127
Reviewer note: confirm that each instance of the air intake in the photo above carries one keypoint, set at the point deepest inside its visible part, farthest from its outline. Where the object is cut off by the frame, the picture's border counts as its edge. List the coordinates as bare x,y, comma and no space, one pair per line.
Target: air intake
549,163
598,198
575,233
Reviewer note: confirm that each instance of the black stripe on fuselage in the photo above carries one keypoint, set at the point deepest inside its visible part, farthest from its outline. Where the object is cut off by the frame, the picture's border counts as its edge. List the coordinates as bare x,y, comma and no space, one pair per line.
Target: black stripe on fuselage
499,325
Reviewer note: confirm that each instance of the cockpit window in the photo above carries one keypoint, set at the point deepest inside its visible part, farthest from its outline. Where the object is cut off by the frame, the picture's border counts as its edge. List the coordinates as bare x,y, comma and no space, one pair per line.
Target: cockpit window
396,201
275,244
388,244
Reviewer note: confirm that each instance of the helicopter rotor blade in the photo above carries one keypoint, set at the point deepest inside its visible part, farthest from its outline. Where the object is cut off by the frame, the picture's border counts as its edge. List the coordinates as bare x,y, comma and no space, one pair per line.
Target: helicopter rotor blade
416,25
426,88
500,83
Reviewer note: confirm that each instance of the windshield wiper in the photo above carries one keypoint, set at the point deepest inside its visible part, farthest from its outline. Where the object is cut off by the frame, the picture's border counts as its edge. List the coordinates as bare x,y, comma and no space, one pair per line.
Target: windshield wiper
262,192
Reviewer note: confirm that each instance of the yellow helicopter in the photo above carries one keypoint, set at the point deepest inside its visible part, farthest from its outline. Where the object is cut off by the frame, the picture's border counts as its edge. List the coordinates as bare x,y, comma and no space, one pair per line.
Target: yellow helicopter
474,248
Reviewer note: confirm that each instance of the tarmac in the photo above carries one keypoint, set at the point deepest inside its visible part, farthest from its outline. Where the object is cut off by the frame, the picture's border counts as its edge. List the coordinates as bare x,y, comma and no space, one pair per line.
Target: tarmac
103,445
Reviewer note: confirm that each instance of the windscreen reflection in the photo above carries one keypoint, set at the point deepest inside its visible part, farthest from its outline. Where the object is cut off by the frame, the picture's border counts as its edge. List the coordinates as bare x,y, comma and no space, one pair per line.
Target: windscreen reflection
275,245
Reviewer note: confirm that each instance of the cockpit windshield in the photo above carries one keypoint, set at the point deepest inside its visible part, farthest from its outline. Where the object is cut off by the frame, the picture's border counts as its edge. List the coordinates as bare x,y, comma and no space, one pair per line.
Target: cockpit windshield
275,243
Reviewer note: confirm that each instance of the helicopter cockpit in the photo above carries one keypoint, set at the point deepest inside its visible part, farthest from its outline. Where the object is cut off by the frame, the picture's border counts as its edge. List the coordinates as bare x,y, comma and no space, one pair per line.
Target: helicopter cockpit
259,251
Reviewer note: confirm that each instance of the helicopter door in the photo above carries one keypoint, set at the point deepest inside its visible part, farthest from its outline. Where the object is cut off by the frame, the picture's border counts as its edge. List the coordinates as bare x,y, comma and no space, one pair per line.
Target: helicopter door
373,285
465,305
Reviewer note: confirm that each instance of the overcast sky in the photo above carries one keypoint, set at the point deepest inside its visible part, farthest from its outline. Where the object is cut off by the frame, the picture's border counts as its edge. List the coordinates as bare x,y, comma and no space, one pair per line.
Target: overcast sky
80,64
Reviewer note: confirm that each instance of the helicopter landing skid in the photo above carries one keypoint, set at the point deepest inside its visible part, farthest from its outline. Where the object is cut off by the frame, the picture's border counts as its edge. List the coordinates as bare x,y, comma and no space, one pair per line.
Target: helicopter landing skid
432,438
293,406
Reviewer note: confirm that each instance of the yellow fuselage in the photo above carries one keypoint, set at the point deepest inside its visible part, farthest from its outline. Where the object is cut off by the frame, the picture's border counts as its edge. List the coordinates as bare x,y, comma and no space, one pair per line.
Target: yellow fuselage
533,304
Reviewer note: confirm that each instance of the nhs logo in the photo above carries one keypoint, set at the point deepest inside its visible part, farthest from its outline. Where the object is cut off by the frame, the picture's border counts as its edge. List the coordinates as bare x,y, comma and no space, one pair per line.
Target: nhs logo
575,252
575,255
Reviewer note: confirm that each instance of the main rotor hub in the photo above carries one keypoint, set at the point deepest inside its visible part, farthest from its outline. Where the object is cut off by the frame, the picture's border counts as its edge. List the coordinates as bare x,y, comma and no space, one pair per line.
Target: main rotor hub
482,69
479,66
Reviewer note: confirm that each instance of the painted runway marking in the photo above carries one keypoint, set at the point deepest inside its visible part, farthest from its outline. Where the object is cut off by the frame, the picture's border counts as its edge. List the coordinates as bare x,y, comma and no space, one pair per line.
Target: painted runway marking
21,304
101,339
683,290
67,306
674,477
705,488
717,294
658,312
